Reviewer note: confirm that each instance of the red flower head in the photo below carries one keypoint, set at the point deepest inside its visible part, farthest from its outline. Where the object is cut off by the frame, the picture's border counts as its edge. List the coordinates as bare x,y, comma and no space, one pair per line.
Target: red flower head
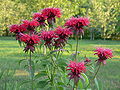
40,18
25,38
77,24
17,29
76,70
30,25
51,13
103,54
22,28
14,28
63,34
48,37
30,41
87,60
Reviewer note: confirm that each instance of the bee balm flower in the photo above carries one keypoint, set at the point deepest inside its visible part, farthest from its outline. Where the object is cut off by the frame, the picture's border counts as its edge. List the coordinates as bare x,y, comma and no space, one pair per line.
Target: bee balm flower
76,70
48,37
51,13
14,28
40,18
103,54
77,24
30,41
30,25
63,34
18,30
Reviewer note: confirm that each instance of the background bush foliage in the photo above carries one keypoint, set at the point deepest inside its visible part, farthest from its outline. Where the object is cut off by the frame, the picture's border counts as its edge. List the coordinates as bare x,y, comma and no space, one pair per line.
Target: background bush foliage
104,14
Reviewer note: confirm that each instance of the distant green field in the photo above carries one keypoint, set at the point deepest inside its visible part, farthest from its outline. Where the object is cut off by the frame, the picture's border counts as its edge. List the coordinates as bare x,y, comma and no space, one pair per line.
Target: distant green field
109,75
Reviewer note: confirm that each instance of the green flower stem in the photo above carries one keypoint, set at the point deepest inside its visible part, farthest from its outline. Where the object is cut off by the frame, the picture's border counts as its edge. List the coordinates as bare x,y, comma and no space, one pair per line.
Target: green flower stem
75,87
31,70
53,71
76,52
54,68
52,76
54,63
58,54
44,50
94,75
97,71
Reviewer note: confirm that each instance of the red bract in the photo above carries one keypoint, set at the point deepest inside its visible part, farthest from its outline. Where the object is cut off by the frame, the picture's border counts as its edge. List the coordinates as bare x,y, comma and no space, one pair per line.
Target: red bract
31,25
103,54
14,28
30,41
40,18
77,24
48,37
51,13
63,34
76,70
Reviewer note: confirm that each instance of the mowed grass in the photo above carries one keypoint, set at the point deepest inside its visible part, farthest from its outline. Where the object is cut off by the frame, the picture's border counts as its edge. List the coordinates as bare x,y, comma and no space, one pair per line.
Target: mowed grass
109,75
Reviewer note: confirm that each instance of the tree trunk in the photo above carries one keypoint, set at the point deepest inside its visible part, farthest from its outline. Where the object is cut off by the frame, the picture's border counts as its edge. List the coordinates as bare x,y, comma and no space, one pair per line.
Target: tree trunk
104,30
6,32
91,35
104,34
93,38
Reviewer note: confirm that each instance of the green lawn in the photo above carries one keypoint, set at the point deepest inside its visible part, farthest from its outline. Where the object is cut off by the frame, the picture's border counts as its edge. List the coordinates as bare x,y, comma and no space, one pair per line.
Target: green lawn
109,75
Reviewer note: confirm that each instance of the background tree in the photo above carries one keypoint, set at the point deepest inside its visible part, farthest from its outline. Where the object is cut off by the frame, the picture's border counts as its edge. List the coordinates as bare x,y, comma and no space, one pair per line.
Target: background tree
104,14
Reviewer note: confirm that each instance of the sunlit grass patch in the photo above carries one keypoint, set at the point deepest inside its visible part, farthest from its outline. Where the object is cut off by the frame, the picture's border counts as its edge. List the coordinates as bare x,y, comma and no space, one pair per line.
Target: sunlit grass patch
11,53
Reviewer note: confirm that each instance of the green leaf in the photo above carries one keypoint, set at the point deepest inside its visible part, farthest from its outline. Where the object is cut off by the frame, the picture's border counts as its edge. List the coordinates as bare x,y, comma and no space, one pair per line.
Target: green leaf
80,84
42,43
24,82
101,85
96,83
60,83
1,74
41,74
86,79
42,83
70,45
90,69
20,43
20,61
62,64
45,62
60,88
